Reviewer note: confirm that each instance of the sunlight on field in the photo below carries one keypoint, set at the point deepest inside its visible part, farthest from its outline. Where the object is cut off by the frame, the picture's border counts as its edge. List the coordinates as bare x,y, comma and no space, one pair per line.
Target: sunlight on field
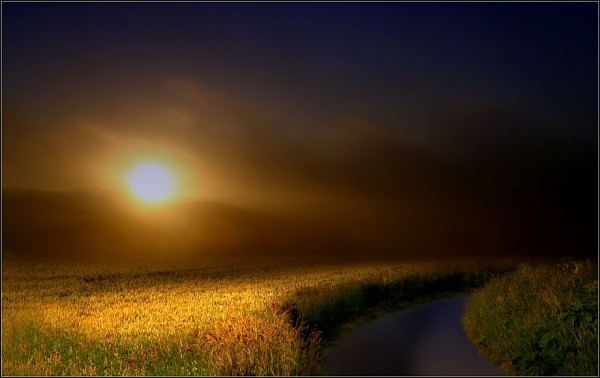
183,320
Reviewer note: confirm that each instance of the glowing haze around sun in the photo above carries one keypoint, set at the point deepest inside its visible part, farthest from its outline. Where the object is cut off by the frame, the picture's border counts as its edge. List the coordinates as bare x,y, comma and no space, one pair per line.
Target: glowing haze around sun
151,183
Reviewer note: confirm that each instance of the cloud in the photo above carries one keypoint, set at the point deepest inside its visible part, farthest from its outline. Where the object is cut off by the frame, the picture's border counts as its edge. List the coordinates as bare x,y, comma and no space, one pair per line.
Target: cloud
484,178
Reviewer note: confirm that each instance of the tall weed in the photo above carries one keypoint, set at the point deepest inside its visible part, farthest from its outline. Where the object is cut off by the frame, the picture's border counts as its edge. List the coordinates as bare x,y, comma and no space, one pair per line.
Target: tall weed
539,320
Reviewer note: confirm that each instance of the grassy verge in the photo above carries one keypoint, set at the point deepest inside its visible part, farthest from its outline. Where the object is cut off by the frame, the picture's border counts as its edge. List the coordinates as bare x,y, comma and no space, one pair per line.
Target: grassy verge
539,319
224,319
334,310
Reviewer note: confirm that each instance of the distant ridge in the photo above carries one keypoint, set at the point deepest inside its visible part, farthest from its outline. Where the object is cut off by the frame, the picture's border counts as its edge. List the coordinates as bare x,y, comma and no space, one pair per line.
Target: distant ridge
43,223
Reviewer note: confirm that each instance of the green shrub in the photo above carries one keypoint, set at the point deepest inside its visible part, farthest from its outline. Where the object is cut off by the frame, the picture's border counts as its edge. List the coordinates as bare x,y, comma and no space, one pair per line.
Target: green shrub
539,320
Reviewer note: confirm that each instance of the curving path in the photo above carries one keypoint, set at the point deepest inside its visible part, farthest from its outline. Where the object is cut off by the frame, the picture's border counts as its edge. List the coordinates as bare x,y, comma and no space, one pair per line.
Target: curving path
423,340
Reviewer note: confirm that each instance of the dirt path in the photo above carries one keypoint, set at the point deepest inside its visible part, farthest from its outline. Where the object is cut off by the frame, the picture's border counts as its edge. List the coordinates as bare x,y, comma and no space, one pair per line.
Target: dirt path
423,340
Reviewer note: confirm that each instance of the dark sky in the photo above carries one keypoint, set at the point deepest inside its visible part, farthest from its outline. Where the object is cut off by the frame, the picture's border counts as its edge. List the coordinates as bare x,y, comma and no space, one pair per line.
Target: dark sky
390,115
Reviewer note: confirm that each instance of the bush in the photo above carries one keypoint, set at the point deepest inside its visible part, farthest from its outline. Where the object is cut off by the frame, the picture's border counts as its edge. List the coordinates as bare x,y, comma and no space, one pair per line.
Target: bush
539,320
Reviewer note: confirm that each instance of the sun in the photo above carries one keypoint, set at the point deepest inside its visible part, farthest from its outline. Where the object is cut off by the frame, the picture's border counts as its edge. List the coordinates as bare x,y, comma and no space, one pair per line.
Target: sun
151,183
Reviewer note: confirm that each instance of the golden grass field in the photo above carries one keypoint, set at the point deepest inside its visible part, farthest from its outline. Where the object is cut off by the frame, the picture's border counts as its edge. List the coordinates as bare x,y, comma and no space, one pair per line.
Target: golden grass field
180,319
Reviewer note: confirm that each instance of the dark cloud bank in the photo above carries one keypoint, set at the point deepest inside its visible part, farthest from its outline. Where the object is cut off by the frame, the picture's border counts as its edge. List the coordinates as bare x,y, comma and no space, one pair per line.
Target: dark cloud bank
492,183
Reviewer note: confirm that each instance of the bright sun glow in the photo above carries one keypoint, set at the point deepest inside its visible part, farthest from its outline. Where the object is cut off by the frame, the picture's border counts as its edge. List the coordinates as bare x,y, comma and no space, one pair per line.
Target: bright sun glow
151,183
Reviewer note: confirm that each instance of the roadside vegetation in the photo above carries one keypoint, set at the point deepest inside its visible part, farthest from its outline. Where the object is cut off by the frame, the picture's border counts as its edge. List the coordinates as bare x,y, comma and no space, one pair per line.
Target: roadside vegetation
206,319
539,319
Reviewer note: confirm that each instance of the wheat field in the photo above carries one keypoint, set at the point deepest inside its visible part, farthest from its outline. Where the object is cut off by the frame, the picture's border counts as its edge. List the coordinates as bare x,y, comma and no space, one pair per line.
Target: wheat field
227,318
